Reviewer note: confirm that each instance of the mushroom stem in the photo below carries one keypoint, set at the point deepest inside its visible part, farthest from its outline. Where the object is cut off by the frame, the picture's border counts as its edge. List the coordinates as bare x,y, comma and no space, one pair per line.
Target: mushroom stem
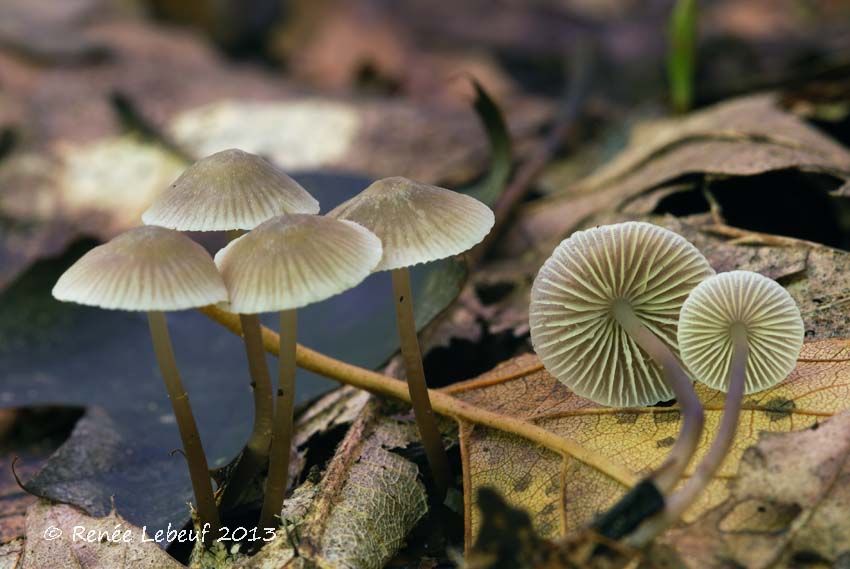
422,411
195,457
713,459
282,436
256,452
686,444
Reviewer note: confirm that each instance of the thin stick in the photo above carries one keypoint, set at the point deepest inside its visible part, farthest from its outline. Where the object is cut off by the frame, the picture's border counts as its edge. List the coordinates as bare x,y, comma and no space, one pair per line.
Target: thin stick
255,455
443,403
713,459
667,476
422,411
282,437
194,451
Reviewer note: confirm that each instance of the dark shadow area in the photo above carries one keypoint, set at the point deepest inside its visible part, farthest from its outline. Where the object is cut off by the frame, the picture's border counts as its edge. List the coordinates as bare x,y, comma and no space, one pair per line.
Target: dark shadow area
785,202
463,359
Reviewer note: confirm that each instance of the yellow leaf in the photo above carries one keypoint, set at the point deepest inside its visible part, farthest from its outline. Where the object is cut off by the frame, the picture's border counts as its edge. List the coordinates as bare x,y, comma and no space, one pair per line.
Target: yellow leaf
564,494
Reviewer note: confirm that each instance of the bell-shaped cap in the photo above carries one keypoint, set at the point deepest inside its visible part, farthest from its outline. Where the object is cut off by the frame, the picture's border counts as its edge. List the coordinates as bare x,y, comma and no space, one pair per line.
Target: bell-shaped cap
774,330
291,261
573,326
228,190
417,223
146,268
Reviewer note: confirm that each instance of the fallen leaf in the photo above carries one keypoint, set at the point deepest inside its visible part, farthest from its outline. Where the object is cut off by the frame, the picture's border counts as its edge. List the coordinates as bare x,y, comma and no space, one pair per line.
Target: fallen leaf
563,493
367,502
743,137
52,541
786,508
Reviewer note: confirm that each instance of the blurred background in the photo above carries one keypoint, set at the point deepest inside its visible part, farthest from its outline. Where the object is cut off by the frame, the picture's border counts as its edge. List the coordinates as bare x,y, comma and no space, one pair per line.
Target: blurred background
104,102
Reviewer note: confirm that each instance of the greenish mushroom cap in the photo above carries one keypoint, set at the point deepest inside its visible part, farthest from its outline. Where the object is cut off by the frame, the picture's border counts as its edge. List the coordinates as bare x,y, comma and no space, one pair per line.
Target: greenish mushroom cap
774,329
231,189
417,223
146,268
573,326
291,261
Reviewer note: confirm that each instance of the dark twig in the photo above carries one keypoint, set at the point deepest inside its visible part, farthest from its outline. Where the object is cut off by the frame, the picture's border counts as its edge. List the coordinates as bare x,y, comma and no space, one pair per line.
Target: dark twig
20,484
579,80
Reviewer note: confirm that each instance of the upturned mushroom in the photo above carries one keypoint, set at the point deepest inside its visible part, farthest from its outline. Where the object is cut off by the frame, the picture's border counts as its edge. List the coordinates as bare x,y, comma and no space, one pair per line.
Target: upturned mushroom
417,223
284,264
155,270
739,332
231,191
603,321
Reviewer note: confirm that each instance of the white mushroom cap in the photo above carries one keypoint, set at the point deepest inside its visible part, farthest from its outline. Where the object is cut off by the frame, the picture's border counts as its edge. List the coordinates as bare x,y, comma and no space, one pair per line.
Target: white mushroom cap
772,320
417,223
291,261
146,268
228,190
573,327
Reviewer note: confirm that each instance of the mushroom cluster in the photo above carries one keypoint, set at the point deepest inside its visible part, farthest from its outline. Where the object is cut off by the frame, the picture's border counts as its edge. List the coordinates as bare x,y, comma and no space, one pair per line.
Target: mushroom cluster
289,258
615,313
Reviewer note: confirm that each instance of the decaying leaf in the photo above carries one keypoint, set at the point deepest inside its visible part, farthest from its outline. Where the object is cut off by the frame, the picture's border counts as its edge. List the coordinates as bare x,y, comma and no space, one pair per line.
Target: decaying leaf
564,493
58,536
787,507
743,137
367,502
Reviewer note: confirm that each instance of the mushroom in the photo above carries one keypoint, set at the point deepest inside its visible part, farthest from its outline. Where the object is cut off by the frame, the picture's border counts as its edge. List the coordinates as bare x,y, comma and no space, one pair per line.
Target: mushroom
603,321
417,223
231,191
154,269
284,264
739,332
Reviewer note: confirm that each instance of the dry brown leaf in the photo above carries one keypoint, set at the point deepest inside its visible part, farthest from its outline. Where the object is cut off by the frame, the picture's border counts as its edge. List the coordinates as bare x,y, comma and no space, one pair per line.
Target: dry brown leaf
565,494
742,137
788,507
52,541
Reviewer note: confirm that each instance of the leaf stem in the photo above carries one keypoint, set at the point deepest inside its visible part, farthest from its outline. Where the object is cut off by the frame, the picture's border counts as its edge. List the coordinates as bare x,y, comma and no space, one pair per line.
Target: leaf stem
442,403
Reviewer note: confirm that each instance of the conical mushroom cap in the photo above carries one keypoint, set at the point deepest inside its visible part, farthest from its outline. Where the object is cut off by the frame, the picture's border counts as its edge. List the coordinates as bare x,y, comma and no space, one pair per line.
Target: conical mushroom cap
291,261
772,320
573,327
146,268
228,190
417,223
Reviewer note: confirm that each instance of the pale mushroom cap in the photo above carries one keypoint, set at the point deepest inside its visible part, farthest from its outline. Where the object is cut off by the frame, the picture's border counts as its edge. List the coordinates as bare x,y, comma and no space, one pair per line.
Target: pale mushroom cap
772,320
417,223
573,328
146,268
291,261
228,190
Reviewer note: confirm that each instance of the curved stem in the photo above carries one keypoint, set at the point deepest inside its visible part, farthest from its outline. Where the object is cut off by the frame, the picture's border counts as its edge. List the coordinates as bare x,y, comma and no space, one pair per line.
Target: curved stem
282,436
713,459
255,455
667,476
422,411
194,451
443,403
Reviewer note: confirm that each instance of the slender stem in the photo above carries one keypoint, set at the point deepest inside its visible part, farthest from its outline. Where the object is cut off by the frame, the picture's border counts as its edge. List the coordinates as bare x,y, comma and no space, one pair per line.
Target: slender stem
195,457
255,455
282,437
667,476
443,403
422,411
713,459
